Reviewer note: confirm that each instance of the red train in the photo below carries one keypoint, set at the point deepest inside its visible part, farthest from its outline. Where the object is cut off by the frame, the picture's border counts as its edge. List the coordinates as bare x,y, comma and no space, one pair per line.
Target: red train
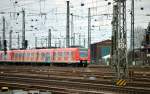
75,56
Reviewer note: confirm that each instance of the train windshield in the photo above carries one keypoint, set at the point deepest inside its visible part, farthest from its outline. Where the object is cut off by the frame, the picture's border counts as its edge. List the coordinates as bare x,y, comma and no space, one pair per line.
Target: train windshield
83,52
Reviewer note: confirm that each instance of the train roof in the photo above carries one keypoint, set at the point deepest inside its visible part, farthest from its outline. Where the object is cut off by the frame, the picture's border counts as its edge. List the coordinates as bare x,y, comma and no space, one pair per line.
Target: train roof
32,50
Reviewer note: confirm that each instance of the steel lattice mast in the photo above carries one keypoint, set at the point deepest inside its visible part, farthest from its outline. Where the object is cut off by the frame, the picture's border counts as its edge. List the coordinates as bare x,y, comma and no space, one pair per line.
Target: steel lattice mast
119,39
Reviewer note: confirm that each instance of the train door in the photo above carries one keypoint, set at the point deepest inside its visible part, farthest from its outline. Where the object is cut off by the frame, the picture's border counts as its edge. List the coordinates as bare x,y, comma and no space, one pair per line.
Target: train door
47,57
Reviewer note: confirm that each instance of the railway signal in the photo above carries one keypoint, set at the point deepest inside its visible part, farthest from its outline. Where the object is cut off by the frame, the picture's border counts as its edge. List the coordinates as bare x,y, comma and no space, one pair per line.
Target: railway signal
5,46
26,44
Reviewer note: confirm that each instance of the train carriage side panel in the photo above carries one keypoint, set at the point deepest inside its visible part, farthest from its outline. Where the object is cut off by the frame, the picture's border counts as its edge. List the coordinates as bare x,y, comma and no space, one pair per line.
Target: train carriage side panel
16,56
89,56
74,56
47,56
44,55
77,55
38,56
1,55
34,55
9,56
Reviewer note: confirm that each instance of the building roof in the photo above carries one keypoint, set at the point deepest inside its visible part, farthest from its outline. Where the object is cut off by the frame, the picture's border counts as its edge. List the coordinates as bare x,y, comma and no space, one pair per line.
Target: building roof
108,41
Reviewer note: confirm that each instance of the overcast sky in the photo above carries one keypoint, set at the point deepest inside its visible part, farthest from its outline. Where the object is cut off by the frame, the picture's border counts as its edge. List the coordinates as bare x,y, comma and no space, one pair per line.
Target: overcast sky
37,25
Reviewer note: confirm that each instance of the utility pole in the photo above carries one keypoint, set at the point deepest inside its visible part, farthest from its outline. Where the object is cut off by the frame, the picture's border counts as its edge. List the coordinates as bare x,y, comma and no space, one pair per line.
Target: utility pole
68,26
79,39
84,42
72,30
89,27
0,44
4,37
18,41
46,40
3,31
132,31
119,58
74,39
59,43
49,38
10,39
23,29
35,42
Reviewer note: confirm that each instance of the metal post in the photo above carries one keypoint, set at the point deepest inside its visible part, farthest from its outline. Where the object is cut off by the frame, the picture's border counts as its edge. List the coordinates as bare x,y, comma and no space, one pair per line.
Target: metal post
84,42
59,43
49,38
119,27
89,28
46,40
18,41
74,39
0,44
10,39
41,42
68,26
72,30
23,29
132,31
4,31
35,42
79,39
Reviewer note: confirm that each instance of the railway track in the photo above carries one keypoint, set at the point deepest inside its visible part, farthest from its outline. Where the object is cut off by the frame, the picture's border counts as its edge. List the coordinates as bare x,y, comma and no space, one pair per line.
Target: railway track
72,80
88,85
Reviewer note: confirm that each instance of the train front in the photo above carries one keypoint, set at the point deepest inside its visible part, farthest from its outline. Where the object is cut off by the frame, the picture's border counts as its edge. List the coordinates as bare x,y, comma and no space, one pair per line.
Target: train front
84,55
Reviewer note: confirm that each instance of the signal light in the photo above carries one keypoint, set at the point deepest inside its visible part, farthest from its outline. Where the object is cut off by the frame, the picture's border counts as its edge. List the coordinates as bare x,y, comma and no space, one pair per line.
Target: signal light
5,46
5,43
26,44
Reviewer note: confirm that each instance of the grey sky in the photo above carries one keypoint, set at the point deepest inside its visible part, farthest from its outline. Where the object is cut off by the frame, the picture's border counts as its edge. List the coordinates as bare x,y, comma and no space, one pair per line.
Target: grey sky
56,18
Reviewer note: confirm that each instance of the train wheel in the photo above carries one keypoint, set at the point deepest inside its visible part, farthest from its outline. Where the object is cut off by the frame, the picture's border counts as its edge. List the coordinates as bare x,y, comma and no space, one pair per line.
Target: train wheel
84,64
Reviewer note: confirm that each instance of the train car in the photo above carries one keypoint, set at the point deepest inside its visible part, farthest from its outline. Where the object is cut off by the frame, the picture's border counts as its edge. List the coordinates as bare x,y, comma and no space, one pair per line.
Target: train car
17,55
44,55
6,57
72,56
65,55
77,56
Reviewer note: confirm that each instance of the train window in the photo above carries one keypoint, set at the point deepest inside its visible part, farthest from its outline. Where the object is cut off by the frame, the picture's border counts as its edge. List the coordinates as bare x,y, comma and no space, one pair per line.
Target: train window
83,52
28,54
20,55
24,54
59,54
72,55
35,55
56,55
16,55
43,55
48,55
67,53
32,54
62,54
